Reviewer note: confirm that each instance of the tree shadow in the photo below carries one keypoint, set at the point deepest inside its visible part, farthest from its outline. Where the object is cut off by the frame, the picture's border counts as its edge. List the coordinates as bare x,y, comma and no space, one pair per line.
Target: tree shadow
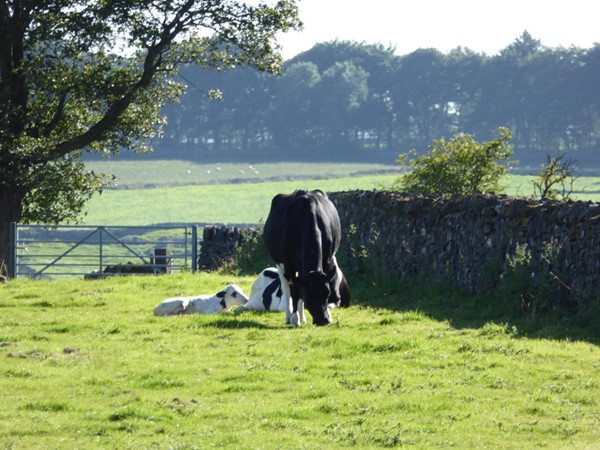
462,310
235,322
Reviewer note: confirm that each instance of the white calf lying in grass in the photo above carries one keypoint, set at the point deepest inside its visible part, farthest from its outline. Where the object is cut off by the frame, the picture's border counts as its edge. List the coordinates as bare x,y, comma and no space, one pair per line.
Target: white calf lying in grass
203,304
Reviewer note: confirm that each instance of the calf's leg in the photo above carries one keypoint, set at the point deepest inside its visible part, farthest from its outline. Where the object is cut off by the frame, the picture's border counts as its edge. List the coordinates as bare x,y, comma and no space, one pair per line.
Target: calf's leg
285,289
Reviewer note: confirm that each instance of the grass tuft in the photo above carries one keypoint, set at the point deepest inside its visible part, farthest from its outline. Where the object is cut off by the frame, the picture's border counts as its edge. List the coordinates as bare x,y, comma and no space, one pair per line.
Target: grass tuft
49,406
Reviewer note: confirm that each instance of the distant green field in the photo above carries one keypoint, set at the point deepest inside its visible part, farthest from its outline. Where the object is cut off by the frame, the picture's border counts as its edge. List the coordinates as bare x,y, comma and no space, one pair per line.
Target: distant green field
208,195
152,174
584,188
245,203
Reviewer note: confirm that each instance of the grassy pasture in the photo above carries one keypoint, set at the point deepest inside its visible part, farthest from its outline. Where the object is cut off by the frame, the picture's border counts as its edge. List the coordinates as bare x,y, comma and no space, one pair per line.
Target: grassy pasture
224,199
146,174
245,203
86,365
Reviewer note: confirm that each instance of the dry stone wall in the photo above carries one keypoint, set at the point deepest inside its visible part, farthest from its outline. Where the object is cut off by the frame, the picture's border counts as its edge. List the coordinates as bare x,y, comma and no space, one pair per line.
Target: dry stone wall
219,245
473,239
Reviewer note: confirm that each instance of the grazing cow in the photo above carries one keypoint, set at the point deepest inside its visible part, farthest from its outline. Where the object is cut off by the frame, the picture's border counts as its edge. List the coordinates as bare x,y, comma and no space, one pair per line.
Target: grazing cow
302,234
266,293
203,304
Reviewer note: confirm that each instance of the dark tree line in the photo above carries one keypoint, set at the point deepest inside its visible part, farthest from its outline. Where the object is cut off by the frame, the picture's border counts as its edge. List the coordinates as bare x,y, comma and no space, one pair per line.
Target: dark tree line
349,99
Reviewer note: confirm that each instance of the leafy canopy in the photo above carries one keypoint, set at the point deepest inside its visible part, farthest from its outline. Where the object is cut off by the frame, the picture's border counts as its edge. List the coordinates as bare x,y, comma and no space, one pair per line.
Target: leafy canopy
460,165
93,75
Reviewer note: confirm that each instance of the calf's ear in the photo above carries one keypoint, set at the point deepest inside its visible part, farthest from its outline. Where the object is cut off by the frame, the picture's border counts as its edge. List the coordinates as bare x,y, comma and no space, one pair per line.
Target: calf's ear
221,294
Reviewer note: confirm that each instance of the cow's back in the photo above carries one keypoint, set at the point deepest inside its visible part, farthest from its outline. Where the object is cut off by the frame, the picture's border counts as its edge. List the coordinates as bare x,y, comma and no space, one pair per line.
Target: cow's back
299,224
273,229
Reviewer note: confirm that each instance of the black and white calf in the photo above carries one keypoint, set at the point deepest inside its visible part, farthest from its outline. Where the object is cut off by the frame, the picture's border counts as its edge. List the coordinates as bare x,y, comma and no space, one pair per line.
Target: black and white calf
220,302
266,293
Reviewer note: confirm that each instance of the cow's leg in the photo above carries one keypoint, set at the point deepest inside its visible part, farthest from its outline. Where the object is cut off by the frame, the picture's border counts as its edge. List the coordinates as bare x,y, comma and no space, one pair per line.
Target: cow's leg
295,319
301,315
297,306
286,293
328,314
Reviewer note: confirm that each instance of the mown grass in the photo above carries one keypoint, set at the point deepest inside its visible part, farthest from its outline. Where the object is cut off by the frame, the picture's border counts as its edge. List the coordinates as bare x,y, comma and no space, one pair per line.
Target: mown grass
148,174
86,365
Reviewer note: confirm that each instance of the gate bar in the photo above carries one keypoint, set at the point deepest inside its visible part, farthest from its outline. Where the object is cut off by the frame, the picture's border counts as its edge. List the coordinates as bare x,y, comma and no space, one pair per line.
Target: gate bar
67,252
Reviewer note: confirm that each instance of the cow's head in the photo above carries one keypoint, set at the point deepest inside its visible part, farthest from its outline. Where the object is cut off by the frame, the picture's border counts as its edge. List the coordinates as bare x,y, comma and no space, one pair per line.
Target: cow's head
316,293
232,295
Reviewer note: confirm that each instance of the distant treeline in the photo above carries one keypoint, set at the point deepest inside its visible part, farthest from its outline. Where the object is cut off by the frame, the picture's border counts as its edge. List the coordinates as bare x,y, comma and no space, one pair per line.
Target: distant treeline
348,100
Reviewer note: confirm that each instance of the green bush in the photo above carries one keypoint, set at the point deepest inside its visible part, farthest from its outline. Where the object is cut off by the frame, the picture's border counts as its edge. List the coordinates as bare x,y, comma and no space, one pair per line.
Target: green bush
537,289
460,165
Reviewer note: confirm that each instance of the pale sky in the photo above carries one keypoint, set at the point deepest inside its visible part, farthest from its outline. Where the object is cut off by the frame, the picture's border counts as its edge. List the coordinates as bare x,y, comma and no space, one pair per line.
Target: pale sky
485,26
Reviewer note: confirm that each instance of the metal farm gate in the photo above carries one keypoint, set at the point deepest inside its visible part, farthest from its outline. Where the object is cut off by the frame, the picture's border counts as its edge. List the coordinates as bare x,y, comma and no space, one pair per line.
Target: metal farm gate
43,251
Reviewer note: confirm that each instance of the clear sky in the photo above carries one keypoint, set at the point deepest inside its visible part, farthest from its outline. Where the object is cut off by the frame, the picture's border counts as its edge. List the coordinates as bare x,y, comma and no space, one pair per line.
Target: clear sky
485,26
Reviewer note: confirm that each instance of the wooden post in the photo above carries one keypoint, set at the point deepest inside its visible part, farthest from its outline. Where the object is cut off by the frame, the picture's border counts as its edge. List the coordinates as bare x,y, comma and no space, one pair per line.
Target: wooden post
163,260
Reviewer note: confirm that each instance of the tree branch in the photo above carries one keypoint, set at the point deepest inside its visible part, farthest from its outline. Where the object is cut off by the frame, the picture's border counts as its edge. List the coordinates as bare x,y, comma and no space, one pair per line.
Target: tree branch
152,64
58,116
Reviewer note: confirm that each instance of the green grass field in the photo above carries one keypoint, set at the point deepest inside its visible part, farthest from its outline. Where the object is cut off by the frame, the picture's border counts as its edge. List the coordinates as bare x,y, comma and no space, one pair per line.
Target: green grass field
85,364
239,203
140,174
224,199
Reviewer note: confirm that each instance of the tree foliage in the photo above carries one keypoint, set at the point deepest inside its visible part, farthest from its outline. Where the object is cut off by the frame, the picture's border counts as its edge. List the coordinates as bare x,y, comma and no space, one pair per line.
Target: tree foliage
94,75
354,100
460,165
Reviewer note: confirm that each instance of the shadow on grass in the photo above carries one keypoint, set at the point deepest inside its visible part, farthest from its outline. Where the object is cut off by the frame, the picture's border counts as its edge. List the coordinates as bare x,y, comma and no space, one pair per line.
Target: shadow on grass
444,302
235,322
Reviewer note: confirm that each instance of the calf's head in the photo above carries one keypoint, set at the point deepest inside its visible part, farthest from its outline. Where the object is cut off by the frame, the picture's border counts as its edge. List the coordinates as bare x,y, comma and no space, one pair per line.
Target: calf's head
232,295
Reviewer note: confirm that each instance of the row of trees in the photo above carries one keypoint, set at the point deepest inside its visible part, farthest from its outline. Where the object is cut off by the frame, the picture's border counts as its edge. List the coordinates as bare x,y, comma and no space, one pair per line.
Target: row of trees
351,98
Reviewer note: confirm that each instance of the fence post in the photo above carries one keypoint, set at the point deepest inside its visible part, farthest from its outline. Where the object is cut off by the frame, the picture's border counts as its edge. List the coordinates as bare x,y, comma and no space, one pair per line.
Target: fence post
162,259
194,248
12,252
100,251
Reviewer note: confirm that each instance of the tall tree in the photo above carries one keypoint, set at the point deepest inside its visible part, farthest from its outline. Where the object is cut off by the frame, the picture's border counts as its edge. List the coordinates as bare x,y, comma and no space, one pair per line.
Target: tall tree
420,96
65,88
343,89
293,119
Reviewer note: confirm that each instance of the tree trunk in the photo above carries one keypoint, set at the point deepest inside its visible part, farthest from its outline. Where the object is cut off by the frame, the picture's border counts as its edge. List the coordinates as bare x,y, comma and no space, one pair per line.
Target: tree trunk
11,209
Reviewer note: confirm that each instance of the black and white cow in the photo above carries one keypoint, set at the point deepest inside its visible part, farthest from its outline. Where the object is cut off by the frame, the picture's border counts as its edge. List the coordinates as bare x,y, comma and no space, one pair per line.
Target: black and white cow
302,234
